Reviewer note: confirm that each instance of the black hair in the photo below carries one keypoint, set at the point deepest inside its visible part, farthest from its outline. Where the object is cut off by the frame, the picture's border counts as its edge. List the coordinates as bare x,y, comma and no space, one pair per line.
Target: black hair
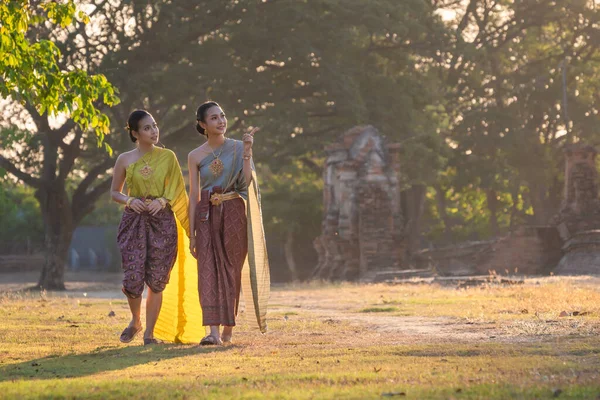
133,122
201,114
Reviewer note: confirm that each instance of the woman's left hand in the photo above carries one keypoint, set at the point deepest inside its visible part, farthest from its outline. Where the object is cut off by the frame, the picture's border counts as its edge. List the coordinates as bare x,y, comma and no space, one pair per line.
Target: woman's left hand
154,207
248,139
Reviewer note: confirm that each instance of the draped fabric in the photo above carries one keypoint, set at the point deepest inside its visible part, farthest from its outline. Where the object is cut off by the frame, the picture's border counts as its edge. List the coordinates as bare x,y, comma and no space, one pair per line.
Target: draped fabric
148,245
256,277
180,318
222,244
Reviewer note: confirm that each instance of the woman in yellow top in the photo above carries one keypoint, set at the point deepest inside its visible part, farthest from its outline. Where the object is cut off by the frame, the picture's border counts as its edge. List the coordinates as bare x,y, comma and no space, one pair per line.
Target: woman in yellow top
150,232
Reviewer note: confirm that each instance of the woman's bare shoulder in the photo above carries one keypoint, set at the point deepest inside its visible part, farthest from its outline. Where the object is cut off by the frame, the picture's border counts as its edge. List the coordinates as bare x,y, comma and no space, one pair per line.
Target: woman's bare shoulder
199,153
127,157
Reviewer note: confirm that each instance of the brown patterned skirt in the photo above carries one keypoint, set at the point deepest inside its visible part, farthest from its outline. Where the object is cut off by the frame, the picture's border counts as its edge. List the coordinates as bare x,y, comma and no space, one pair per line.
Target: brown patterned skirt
148,247
222,245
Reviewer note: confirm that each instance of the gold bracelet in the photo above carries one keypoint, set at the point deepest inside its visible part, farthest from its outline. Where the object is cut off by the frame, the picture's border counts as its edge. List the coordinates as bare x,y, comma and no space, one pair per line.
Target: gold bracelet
247,156
129,200
162,201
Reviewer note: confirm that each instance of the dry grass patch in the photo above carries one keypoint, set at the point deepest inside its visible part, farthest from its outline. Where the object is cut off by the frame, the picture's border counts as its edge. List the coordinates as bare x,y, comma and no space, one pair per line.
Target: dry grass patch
540,306
320,346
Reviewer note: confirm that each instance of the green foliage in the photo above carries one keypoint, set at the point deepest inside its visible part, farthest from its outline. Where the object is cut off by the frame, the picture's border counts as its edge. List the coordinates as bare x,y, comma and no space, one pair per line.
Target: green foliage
32,74
292,211
302,71
476,102
294,197
511,111
105,213
20,216
468,214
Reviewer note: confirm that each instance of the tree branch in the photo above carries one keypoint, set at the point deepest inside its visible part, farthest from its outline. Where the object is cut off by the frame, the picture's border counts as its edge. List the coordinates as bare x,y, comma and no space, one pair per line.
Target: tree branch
88,202
40,121
63,131
313,166
70,153
27,178
80,193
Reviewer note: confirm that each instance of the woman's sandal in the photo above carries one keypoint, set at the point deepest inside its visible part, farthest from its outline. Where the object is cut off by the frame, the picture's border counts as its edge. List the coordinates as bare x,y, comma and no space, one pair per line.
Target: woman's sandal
210,340
129,333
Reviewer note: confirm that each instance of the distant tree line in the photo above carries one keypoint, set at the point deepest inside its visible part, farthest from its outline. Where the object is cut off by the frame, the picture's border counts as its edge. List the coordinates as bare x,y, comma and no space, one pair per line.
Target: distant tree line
482,95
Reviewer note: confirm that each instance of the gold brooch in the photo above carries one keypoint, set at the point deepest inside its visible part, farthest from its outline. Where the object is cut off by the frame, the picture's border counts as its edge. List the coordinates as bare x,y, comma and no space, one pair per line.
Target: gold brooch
216,199
146,171
216,167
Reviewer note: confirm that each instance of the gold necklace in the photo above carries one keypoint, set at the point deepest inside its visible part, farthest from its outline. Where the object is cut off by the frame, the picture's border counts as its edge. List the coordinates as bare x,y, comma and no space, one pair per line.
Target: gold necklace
146,171
216,166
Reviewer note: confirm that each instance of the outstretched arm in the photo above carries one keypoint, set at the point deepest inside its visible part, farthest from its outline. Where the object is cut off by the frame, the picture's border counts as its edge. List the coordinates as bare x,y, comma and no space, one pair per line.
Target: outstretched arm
248,140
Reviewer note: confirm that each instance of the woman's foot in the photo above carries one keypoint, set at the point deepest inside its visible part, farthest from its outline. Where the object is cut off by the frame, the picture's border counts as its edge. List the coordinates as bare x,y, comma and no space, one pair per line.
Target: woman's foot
210,340
131,331
227,334
148,341
226,339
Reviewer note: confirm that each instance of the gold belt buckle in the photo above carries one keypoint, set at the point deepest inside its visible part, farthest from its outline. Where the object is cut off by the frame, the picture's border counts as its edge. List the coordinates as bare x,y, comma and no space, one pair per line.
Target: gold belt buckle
147,201
216,199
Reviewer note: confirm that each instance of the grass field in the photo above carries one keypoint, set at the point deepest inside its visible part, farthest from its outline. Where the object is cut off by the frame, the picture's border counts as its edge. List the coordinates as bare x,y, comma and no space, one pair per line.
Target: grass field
325,341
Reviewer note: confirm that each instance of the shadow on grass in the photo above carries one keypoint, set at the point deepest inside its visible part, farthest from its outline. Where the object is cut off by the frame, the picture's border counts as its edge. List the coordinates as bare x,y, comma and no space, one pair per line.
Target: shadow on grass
545,347
80,365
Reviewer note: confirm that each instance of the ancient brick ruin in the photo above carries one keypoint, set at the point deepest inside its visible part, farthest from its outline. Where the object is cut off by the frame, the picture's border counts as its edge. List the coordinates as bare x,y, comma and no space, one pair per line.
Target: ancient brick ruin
578,221
362,225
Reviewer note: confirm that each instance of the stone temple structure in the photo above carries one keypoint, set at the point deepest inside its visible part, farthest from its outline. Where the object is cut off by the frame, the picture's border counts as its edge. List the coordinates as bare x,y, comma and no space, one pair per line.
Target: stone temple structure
362,224
578,222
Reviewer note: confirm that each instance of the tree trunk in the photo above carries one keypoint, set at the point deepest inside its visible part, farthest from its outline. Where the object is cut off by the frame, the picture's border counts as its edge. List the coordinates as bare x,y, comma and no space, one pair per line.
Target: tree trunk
514,195
58,227
492,204
415,200
440,196
288,250
541,208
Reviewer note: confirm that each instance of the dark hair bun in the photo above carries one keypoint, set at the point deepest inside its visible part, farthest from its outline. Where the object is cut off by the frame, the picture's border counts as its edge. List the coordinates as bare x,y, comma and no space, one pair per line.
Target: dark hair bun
200,129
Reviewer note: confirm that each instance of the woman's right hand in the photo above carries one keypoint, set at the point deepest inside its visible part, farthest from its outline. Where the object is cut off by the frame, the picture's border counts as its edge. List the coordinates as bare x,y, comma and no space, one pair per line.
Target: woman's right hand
138,206
193,249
